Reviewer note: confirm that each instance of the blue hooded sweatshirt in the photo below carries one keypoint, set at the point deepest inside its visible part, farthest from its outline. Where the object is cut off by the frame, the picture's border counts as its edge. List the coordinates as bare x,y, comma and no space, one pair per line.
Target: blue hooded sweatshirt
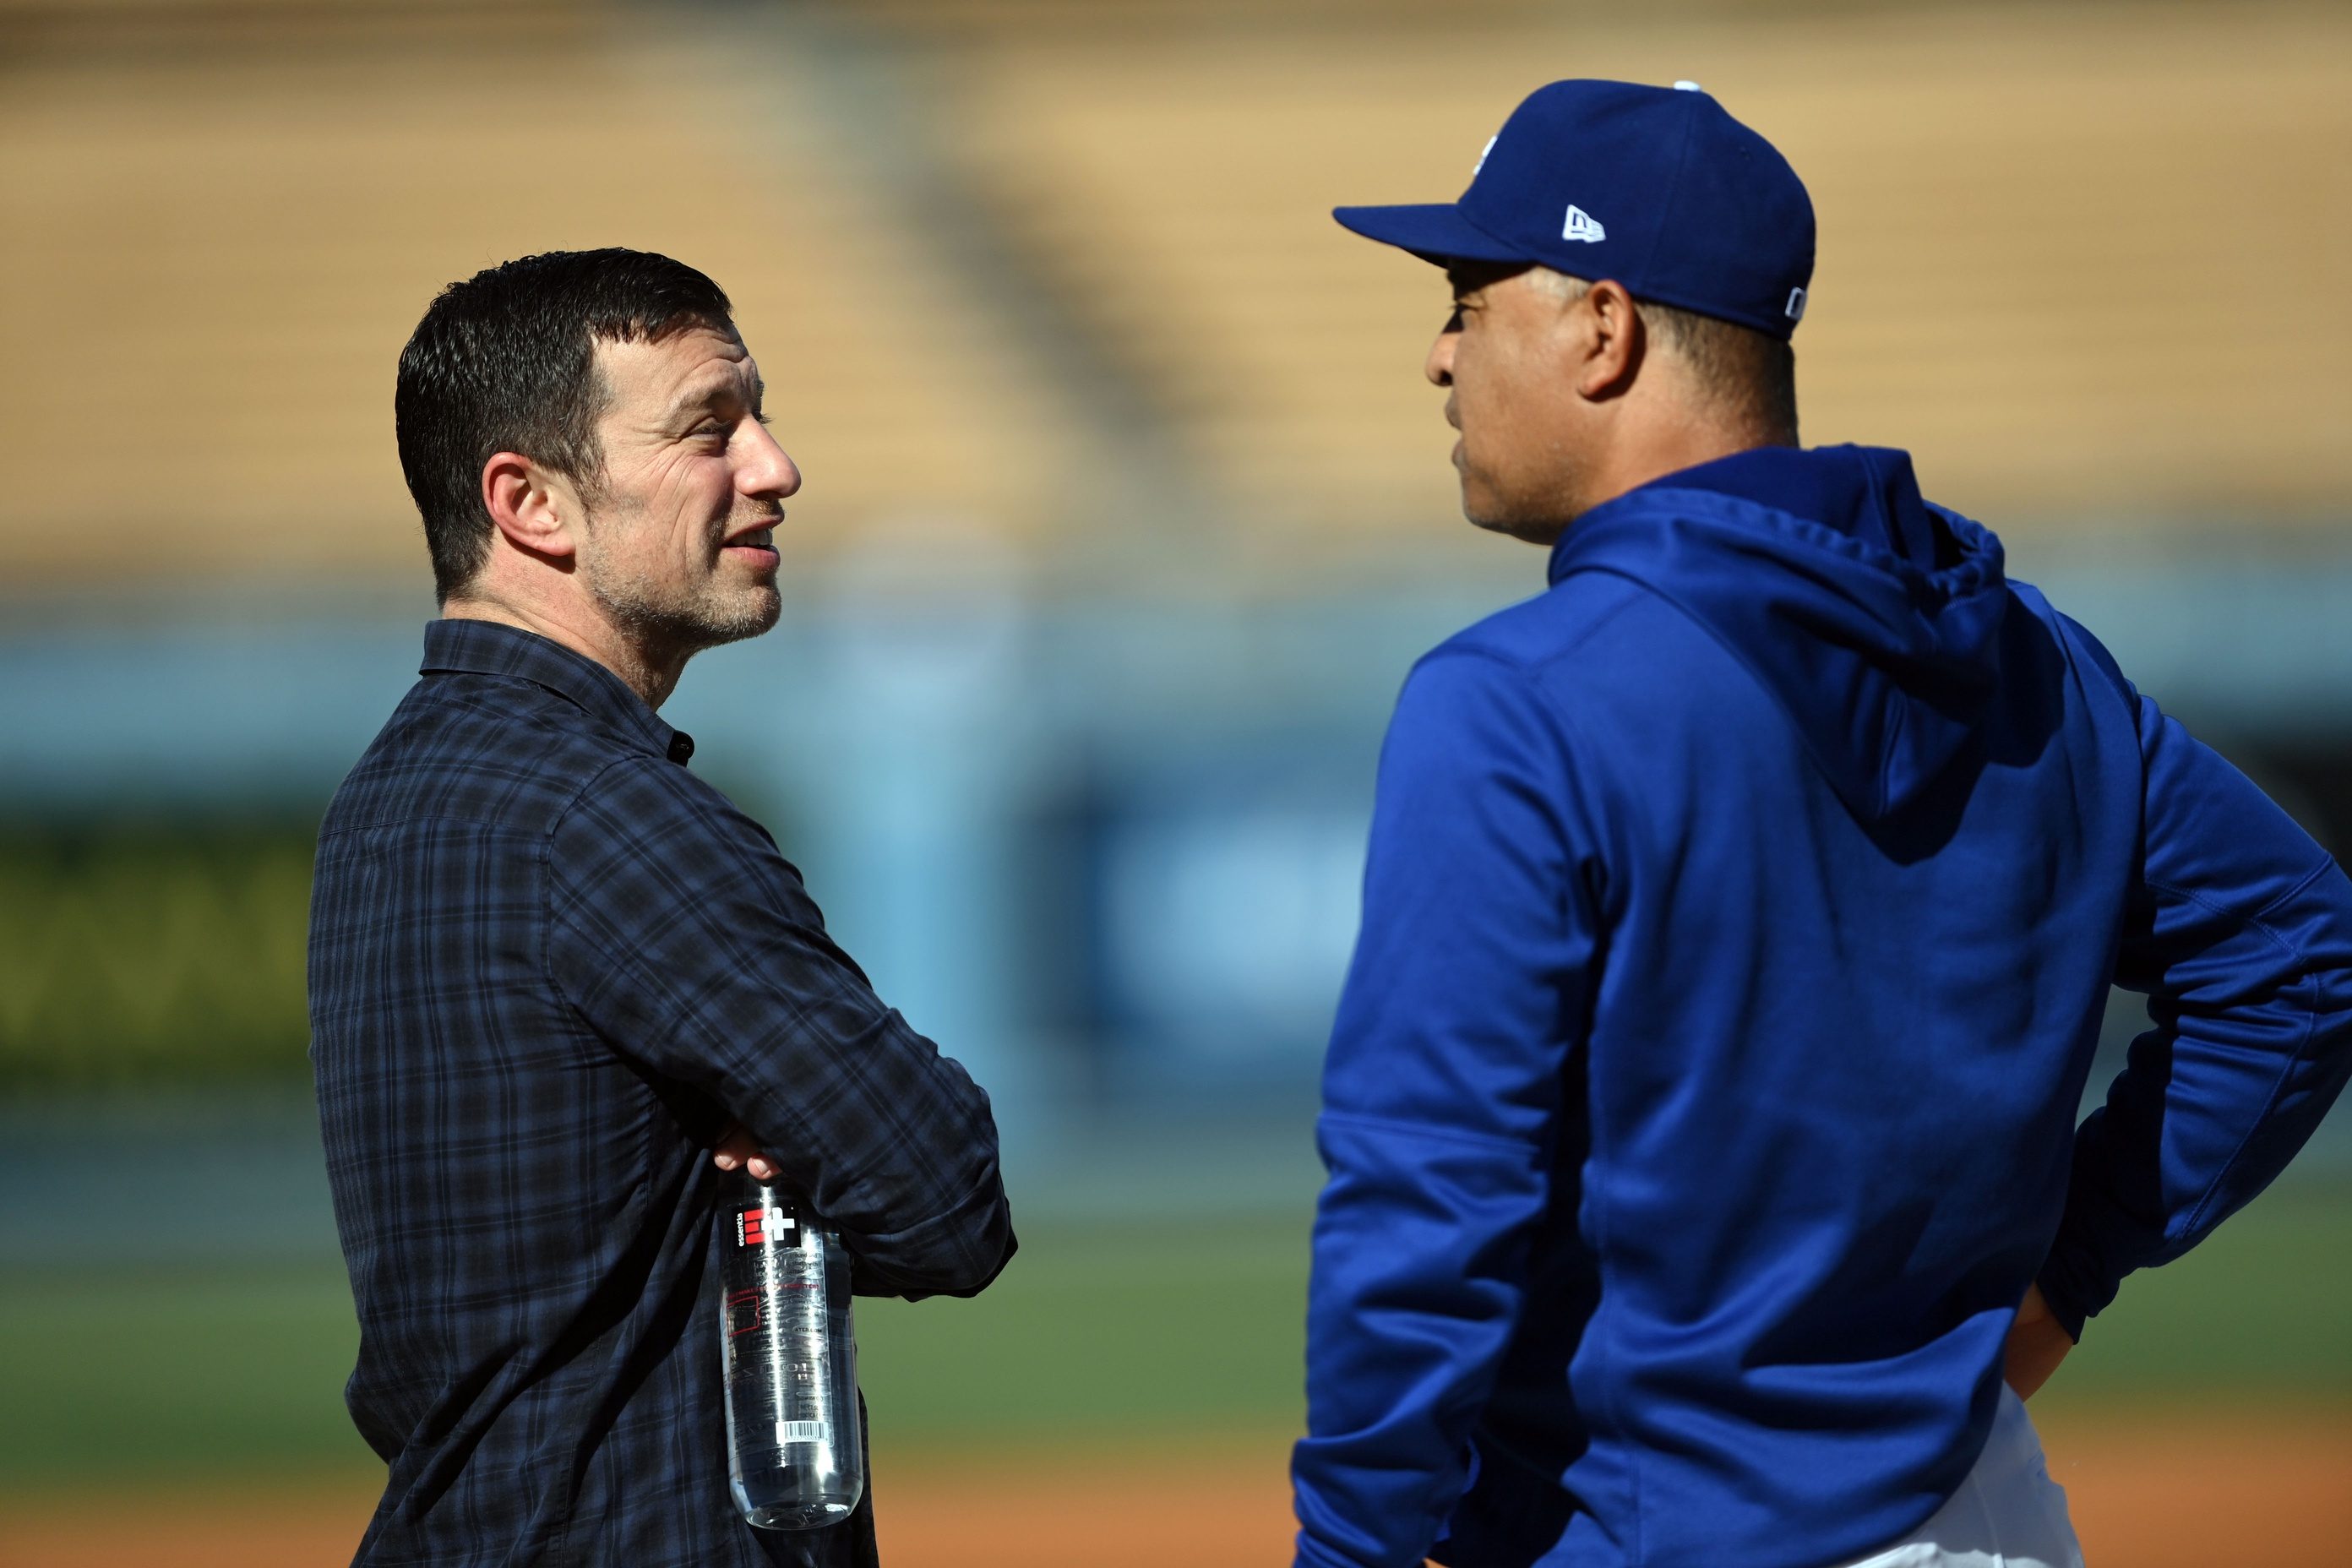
1737,924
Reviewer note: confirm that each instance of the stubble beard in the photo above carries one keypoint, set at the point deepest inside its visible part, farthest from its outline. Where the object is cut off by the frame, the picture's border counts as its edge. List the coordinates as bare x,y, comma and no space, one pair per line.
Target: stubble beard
1531,520
667,622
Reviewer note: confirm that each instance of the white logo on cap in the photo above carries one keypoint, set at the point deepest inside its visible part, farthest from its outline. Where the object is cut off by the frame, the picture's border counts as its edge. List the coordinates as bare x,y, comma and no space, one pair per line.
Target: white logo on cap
1796,310
1583,225
1489,147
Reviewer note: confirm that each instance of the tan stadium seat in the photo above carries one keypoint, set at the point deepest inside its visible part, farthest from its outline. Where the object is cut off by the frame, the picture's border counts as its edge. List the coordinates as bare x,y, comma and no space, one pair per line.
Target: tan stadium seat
2088,264
214,244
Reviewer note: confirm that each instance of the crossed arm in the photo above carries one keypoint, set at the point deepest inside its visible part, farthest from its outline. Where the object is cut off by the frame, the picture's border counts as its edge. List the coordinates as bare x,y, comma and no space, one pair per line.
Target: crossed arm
686,939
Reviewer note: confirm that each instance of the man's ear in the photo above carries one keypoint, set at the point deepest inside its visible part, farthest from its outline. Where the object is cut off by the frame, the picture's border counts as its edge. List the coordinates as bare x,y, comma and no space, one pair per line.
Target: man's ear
534,510
1610,341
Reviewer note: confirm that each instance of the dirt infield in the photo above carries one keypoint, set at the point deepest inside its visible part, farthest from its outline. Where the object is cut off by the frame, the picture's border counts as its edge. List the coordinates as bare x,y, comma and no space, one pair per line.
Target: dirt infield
2162,1491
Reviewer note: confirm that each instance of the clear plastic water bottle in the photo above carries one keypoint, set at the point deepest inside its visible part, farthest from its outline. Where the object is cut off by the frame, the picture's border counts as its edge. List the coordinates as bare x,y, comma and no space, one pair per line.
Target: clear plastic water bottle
795,1454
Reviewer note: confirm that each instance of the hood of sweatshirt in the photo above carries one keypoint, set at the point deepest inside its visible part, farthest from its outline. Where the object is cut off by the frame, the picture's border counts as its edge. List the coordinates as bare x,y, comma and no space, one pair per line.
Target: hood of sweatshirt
1872,616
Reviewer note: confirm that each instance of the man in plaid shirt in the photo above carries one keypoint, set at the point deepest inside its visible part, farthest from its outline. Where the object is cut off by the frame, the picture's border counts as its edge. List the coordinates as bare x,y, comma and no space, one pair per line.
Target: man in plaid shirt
558,982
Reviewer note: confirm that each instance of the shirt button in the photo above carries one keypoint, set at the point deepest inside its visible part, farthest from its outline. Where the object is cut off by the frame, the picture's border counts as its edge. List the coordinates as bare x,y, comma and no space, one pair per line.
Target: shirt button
681,748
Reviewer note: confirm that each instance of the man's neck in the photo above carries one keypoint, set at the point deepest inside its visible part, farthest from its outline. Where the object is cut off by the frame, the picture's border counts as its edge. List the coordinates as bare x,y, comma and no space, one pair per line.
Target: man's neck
652,679
1669,448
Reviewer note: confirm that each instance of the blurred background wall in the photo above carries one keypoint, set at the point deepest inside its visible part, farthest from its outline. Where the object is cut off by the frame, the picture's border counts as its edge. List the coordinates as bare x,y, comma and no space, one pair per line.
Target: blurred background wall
1125,510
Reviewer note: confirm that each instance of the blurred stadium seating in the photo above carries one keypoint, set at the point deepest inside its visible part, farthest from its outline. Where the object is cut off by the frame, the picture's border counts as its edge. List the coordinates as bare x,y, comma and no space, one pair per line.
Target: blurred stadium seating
2094,269
2088,269
218,234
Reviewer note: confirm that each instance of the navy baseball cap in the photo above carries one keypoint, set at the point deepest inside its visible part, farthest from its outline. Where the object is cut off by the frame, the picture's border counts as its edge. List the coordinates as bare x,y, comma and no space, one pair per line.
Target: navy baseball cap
1656,187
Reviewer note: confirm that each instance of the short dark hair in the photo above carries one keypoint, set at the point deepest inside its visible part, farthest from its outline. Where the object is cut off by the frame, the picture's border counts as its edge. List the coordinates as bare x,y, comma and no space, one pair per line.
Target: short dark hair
1751,375
505,362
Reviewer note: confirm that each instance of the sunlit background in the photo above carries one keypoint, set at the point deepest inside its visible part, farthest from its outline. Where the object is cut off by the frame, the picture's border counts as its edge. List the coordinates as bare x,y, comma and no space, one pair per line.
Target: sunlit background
1125,510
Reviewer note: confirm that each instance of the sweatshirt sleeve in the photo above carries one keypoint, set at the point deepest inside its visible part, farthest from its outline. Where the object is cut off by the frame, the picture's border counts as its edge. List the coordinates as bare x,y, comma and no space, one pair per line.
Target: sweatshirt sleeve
1441,1092
2239,931
685,940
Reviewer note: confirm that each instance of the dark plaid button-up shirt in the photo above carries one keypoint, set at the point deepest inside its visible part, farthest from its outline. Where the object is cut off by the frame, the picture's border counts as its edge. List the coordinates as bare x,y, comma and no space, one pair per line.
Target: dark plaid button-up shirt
548,965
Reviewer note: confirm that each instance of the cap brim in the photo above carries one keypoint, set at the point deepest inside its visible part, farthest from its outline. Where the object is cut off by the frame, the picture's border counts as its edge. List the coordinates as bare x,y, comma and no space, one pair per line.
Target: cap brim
1435,231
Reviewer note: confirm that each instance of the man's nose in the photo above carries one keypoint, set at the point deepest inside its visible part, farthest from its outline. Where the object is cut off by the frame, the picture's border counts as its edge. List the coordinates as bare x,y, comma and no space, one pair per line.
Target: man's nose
771,471
1439,366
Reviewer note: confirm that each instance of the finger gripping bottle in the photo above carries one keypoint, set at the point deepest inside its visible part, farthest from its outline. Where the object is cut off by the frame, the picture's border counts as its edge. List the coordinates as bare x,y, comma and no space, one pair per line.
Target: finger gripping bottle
795,1455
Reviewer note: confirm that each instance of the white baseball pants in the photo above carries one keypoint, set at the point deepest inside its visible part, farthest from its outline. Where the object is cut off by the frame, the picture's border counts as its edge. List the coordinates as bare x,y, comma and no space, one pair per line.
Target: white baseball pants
2009,1513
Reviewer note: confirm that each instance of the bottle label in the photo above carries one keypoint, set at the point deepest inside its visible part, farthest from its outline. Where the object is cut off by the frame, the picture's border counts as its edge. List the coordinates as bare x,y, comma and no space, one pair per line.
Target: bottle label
757,1227
800,1431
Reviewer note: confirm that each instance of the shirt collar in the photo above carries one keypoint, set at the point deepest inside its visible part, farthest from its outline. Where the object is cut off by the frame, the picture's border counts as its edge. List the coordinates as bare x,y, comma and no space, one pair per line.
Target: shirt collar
492,648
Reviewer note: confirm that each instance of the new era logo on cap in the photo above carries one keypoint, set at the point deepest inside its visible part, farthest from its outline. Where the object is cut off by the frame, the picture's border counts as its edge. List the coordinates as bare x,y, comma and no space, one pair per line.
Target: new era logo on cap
1583,225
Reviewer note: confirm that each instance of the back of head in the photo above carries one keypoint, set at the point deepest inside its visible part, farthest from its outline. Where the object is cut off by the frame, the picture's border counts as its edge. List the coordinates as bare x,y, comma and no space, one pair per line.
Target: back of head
1745,378
1735,377
505,362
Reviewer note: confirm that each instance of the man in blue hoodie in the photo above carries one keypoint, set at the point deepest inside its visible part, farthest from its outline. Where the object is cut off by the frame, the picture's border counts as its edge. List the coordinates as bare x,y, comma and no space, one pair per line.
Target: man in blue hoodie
1736,929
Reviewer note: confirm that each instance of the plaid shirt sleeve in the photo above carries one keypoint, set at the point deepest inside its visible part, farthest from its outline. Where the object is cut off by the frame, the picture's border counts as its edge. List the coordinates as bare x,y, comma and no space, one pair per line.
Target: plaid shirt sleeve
679,932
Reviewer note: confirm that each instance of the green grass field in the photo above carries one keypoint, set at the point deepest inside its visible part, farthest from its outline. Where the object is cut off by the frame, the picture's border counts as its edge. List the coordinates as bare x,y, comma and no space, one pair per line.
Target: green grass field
1093,1336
